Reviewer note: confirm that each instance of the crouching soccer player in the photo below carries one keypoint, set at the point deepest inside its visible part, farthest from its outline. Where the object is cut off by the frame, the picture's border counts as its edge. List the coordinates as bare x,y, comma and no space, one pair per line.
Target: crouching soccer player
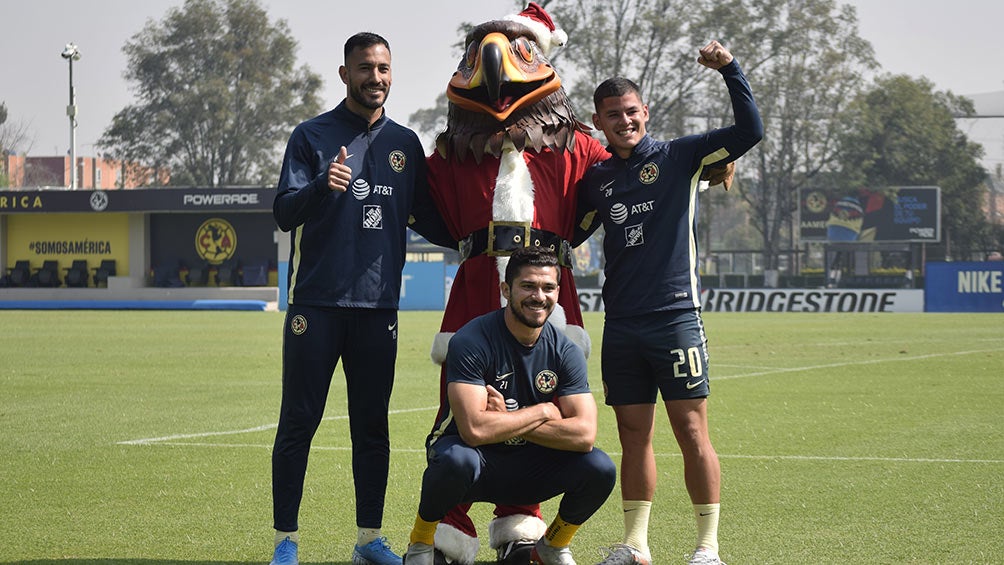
521,421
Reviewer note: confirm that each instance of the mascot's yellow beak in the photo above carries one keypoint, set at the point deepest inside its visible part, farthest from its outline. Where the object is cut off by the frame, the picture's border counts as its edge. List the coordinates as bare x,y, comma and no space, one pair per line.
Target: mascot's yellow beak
499,76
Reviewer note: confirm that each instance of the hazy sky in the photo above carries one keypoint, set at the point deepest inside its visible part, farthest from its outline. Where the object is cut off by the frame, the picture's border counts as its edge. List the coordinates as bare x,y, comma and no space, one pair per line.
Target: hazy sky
957,44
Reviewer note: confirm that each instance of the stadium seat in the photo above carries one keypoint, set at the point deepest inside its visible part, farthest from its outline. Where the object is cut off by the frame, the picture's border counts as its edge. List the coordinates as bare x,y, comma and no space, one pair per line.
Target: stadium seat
165,276
197,275
255,273
227,273
103,271
78,274
20,274
48,274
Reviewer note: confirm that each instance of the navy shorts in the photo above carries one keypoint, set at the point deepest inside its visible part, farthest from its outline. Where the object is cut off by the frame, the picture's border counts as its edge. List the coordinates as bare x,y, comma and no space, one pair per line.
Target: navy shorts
662,351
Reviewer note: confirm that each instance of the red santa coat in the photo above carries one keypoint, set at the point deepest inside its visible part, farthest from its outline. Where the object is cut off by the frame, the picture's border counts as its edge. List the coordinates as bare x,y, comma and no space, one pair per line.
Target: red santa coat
470,194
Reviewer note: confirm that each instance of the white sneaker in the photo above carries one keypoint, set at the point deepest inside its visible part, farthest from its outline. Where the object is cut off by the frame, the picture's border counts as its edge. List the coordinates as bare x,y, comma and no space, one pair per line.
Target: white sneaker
704,556
419,554
544,554
621,554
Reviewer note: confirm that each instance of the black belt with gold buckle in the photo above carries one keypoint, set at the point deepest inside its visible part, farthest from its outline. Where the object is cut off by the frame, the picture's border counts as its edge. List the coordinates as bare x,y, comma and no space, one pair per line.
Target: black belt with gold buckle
501,238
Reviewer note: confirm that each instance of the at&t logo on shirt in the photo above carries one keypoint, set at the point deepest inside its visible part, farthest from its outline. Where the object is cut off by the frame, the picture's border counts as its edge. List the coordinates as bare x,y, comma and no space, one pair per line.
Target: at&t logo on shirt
618,213
360,189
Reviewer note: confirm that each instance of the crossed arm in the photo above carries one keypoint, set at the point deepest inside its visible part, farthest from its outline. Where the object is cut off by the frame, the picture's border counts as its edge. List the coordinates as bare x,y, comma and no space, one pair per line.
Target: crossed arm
482,419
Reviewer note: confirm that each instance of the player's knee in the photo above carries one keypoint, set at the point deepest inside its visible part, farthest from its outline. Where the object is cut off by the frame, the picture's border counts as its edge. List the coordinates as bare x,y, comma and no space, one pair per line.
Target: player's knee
457,462
601,468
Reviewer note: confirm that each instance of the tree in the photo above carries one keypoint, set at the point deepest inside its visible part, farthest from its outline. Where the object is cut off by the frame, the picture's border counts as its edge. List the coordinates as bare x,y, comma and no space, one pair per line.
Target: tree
806,62
14,138
652,42
428,122
217,95
904,133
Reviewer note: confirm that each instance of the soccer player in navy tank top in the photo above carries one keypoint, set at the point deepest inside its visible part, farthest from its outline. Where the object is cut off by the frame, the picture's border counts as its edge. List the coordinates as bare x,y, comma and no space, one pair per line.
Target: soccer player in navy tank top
645,195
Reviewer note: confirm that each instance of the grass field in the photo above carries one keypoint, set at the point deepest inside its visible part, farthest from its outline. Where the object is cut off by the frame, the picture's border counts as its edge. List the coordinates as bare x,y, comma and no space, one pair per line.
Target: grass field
144,438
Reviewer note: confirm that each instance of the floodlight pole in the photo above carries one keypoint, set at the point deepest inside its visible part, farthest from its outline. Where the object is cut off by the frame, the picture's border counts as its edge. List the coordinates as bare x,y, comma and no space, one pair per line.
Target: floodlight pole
71,53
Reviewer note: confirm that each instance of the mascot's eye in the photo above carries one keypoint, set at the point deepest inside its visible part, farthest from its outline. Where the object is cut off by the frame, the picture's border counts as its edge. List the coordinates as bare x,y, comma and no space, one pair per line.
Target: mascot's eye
522,46
472,53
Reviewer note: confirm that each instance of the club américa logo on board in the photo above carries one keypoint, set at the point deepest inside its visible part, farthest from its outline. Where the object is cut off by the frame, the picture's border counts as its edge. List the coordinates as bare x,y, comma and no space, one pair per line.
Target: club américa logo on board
216,240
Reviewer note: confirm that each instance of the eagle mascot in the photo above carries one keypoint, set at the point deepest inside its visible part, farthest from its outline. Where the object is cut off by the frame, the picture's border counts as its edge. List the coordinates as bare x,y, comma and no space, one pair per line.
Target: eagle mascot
504,175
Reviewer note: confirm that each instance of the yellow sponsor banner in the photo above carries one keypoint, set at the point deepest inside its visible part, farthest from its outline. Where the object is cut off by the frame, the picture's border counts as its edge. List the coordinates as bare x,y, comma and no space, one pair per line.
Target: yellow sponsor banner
66,237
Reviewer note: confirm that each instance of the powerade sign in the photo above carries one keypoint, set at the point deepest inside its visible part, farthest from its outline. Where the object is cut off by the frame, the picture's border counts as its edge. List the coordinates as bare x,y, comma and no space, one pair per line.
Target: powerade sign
241,199
964,287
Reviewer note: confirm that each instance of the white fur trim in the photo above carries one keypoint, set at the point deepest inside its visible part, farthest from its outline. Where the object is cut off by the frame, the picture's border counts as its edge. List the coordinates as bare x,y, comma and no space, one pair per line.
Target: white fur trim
512,200
557,317
546,39
457,546
505,529
580,337
440,345
577,334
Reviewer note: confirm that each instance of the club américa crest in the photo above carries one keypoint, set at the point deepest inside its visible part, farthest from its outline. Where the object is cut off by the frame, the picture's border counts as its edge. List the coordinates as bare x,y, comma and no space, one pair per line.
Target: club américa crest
649,173
397,160
546,381
216,240
298,324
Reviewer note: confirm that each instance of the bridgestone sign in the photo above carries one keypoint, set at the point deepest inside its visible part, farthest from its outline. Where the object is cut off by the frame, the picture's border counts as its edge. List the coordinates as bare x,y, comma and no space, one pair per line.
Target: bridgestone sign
791,300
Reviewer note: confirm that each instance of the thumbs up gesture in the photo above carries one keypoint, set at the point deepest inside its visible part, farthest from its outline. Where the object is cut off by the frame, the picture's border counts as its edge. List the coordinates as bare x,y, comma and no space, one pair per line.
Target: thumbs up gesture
339,174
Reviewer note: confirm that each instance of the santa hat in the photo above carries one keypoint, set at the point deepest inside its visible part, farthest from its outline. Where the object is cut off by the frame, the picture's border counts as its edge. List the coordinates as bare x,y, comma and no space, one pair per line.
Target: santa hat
540,23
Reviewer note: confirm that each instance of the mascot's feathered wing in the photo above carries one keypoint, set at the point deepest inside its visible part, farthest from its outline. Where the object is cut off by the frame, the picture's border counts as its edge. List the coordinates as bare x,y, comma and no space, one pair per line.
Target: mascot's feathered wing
504,175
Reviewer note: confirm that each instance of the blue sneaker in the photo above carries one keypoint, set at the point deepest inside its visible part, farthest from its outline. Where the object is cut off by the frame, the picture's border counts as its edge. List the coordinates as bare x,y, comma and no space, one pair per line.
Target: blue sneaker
376,552
285,553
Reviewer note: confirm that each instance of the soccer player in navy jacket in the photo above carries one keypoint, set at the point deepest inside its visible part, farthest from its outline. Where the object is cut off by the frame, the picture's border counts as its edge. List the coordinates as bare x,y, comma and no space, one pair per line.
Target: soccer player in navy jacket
645,195
352,180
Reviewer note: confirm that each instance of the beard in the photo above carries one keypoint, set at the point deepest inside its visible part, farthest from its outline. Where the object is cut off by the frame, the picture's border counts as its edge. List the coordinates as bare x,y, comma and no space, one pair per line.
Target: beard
526,320
358,94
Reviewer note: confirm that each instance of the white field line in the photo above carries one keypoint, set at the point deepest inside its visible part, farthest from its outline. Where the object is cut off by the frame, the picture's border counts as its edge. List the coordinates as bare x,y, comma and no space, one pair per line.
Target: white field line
172,440
618,454
853,363
165,439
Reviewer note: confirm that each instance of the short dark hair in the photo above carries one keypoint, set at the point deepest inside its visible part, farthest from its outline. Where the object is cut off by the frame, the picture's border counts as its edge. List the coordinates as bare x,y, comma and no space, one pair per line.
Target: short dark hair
616,87
363,40
532,256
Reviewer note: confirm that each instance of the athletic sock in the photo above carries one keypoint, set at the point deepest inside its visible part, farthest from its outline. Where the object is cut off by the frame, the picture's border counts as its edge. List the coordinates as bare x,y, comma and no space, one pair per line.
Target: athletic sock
636,513
707,525
560,532
423,532
280,536
366,535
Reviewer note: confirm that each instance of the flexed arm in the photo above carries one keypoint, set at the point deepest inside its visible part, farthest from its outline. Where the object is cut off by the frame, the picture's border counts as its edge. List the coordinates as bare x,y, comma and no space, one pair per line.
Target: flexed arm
480,422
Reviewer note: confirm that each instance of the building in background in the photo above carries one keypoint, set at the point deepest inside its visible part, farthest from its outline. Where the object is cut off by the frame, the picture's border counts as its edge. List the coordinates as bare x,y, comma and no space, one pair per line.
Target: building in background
22,171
